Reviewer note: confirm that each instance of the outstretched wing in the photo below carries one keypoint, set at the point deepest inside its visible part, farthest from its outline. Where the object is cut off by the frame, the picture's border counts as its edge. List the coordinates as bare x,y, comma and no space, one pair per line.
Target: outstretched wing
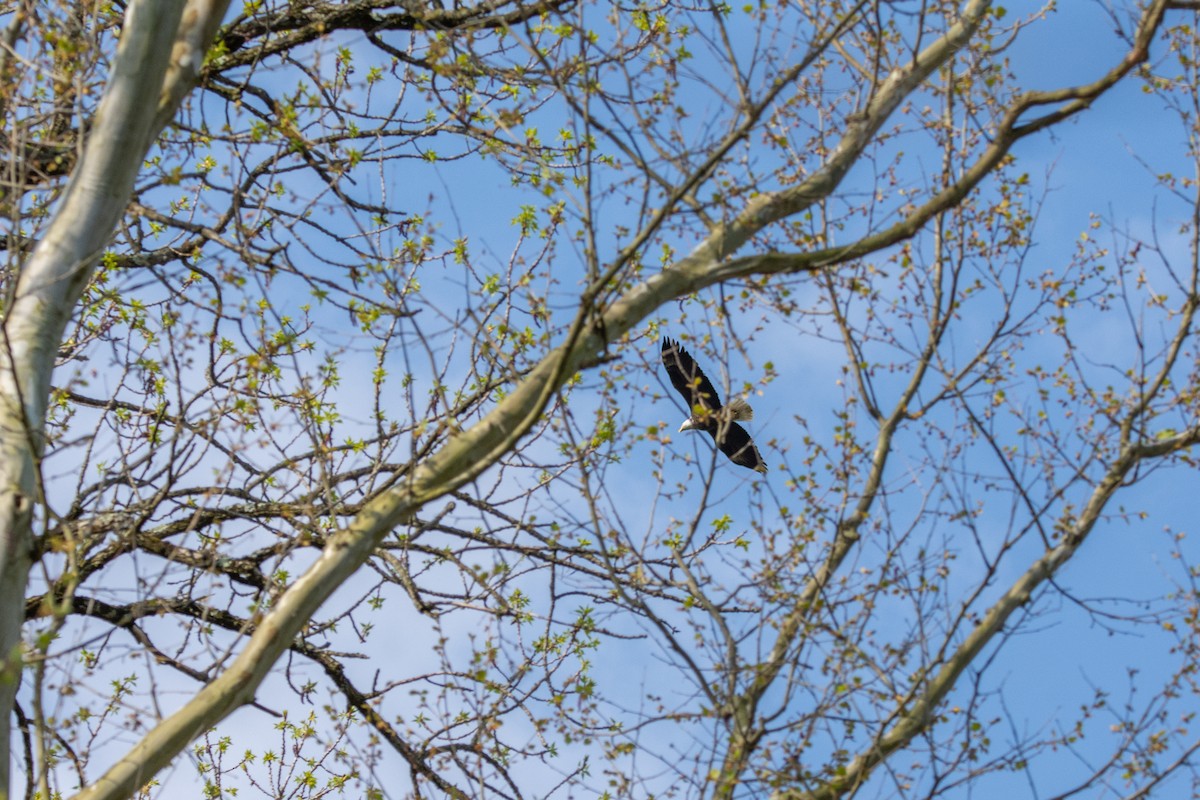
687,378
734,442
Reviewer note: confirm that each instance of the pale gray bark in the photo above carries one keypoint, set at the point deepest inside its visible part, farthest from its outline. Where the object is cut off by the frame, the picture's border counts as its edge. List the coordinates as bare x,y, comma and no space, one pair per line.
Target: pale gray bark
147,65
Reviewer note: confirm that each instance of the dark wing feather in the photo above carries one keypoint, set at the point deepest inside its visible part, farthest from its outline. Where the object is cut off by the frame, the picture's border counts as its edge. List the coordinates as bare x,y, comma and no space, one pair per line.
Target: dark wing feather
687,378
734,442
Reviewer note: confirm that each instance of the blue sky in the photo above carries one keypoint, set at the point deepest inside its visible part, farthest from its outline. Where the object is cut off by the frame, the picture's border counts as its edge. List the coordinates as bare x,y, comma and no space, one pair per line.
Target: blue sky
1081,168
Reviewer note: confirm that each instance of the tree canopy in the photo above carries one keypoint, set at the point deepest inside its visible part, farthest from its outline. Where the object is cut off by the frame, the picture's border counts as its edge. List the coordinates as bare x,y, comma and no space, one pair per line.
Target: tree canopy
337,456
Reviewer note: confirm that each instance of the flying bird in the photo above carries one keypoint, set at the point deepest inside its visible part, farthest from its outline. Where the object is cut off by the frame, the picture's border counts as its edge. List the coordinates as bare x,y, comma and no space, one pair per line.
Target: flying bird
705,409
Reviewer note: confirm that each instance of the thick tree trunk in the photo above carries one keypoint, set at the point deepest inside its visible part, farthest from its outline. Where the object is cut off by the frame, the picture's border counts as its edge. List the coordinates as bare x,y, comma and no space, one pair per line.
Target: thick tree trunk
150,65
15,505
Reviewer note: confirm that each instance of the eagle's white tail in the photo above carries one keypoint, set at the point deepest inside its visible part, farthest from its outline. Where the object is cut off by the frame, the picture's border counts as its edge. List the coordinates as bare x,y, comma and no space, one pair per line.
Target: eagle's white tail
739,410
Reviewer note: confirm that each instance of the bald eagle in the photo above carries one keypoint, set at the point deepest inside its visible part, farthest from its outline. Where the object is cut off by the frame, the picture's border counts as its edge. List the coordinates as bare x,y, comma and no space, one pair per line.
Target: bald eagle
705,409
